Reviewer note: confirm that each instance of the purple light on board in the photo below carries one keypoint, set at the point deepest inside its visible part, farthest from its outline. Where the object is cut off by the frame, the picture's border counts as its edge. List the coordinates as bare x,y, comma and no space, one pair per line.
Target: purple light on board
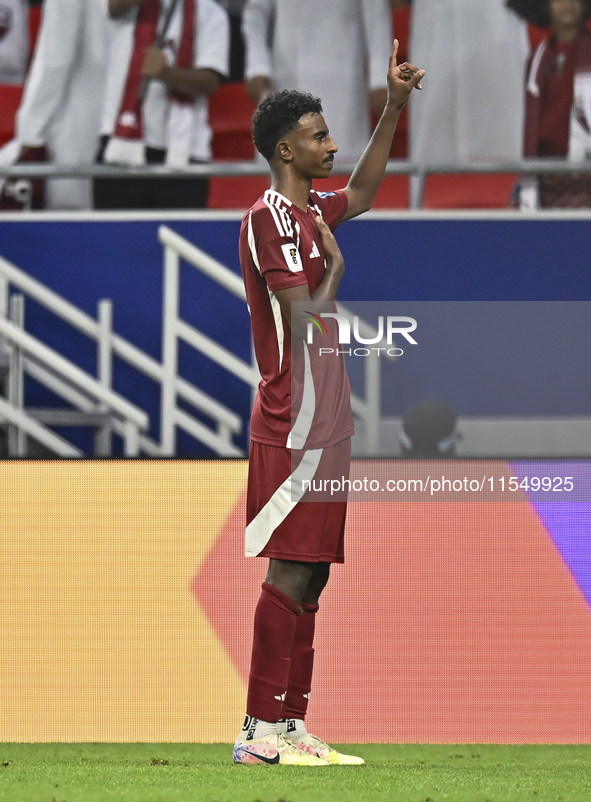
567,522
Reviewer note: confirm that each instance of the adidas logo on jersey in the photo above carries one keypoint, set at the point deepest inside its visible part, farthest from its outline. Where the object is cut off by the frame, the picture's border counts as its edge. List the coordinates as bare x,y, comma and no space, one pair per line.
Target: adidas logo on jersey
315,251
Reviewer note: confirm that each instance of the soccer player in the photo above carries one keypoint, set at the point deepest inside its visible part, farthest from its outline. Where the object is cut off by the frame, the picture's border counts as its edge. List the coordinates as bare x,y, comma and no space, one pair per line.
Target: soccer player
288,254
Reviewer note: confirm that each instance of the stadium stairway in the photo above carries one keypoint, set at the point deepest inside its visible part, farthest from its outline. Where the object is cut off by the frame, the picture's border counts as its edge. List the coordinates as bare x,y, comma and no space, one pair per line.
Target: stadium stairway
89,400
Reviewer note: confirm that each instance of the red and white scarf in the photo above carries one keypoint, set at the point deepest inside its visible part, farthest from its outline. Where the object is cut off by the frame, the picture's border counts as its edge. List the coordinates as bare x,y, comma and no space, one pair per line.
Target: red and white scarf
127,142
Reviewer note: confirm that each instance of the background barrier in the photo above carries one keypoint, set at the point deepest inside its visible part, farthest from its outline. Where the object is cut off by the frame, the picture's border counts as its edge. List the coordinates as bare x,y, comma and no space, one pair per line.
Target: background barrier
391,257
127,605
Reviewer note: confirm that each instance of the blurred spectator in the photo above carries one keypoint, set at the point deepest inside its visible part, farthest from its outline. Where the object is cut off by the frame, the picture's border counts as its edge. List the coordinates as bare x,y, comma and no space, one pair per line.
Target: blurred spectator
14,41
336,50
558,100
168,123
472,108
234,10
428,431
58,119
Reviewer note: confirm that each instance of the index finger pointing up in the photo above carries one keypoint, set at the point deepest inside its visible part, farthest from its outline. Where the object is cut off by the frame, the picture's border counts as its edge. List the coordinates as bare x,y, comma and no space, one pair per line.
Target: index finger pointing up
394,54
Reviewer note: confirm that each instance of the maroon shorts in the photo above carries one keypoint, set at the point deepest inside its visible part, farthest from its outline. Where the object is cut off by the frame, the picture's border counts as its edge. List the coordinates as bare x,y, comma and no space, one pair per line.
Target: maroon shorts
283,521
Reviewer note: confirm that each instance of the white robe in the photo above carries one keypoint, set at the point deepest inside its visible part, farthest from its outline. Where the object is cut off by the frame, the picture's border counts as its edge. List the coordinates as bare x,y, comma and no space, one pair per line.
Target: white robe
63,94
472,105
14,41
336,49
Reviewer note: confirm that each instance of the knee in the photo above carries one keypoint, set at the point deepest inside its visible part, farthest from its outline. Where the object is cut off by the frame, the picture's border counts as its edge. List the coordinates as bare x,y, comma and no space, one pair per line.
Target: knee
317,583
290,578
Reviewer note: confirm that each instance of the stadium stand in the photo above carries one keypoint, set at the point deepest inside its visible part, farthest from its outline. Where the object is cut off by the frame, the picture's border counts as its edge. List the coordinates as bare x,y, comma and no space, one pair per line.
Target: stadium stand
231,110
230,114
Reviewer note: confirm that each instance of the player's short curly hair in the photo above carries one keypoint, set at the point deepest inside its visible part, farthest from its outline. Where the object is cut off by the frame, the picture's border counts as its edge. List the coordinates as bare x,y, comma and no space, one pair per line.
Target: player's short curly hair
536,11
277,115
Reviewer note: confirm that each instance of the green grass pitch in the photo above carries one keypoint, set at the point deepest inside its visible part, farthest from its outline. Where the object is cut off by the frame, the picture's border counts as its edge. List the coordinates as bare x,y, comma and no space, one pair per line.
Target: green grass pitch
204,773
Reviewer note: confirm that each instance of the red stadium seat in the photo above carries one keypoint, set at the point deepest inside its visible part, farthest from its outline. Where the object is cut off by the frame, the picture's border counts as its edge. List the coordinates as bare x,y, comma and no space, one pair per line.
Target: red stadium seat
230,116
441,191
236,193
468,191
392,194
10,99
241,193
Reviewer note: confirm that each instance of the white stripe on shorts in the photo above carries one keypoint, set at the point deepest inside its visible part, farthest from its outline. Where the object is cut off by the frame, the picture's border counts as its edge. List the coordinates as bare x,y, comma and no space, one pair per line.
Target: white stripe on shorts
303,423
281,503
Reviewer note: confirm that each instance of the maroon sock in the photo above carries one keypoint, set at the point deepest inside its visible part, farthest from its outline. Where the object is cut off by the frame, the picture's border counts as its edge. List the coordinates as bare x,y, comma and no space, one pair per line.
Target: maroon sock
274,626
302,663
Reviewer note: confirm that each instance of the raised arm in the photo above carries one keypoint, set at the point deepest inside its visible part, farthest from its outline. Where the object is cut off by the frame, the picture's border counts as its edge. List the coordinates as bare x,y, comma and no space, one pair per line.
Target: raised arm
325,294
363,184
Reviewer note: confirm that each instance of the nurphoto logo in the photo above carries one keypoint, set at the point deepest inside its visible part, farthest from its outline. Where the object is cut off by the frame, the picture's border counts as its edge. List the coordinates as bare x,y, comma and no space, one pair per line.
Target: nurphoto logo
385,332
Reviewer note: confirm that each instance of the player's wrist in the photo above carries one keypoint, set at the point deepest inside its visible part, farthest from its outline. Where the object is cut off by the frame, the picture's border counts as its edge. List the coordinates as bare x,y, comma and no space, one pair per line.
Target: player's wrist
394,105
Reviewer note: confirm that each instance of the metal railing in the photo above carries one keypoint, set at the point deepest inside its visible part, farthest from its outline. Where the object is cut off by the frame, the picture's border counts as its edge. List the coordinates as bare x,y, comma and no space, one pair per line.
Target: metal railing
418,172
175,329
28,354
27,425
93,397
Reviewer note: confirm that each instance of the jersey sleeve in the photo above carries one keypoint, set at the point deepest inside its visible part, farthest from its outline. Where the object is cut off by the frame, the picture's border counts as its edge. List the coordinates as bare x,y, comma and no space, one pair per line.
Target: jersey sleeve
333,206
275,252
281,264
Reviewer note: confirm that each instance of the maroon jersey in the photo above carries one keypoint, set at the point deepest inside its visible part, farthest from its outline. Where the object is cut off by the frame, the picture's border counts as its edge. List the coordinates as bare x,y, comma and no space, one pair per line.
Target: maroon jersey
280,247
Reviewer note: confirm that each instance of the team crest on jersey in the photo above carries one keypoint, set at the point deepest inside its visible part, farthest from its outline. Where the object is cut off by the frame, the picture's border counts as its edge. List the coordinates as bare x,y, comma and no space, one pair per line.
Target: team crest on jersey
292,257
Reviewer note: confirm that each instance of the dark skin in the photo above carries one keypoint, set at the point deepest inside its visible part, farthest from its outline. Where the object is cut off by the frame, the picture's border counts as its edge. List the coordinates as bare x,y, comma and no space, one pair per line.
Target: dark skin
567,18
302,155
